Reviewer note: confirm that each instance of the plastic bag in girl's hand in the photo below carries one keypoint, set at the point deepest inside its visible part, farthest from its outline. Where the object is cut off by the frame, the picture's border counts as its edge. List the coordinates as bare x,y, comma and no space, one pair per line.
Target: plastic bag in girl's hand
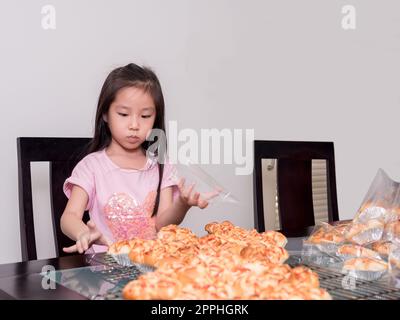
209,189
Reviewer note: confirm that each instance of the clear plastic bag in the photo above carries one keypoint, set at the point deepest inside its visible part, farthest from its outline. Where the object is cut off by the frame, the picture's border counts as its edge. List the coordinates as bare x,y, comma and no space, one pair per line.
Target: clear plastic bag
382,248
380,201
318,254
349,251
364,233
364,268
394,265
321,246
379,209
326,235
392,232
209,189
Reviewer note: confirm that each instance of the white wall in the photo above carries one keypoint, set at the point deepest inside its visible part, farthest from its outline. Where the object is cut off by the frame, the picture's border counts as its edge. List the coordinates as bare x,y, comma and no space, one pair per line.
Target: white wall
287,69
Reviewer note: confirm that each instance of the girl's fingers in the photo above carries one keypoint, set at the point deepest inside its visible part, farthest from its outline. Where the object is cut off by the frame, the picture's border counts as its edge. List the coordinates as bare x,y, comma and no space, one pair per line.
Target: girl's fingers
91,224
189,192
79,246
184,192
194,200
70,249
94,235
84,243
181,184
196,196
202,204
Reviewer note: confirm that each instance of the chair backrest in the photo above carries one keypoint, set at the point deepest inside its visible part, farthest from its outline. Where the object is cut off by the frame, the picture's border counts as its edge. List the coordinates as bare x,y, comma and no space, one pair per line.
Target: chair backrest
294,183
62,154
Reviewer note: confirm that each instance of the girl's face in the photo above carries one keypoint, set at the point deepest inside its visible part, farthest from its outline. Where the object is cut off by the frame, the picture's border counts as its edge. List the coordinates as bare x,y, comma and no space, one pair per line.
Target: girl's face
131,117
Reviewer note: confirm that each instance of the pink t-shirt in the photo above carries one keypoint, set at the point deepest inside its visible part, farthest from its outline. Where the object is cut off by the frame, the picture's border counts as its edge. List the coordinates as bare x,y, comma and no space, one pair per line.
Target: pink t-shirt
121,201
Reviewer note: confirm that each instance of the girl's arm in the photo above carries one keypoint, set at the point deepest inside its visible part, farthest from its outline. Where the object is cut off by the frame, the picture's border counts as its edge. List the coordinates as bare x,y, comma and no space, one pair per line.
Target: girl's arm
72,225
173,212
71,219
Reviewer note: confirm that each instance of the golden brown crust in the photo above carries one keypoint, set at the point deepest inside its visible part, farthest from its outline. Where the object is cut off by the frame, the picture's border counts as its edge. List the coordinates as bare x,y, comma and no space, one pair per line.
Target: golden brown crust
365,264
361,233
228,263
357,251
152,286
382,247
392,230
326,236
394,262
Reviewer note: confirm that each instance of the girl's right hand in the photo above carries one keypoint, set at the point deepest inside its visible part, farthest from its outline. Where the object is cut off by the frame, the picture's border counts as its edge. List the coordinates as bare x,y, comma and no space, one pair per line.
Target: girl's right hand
87,238
195,199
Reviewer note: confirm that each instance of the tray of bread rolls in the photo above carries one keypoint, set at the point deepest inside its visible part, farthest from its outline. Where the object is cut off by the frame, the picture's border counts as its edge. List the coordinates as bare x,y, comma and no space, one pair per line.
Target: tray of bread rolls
228,263
366,250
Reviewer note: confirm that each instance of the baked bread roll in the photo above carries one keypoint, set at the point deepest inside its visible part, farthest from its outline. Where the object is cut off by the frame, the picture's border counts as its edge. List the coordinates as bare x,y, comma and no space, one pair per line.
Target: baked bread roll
325,236
228,263
273,254
392,231
365,264
152,286
364,233
370,212
357,251
382,247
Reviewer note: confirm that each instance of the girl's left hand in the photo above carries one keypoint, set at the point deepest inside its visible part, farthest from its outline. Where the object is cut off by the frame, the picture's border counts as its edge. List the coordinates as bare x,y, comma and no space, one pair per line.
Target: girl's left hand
191,198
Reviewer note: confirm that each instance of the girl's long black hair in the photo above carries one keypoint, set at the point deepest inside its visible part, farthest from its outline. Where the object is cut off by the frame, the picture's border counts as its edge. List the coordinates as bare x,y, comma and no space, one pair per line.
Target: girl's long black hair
130,75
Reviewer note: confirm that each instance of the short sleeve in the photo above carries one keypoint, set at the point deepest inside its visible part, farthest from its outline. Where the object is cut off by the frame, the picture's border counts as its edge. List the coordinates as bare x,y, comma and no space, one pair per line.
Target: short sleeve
82,176
170,179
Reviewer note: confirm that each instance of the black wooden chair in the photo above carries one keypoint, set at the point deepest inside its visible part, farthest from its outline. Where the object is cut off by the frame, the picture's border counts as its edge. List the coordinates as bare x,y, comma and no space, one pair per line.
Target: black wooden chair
62,154
294,183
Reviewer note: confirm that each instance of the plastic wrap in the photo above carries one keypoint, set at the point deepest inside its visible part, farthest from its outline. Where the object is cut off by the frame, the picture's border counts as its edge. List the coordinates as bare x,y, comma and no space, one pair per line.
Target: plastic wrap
349,251
326,236
380,201
122,259
378,212
392,232
365,268
382,248
364,233
317,254
394,265
321,246
363,247
209,189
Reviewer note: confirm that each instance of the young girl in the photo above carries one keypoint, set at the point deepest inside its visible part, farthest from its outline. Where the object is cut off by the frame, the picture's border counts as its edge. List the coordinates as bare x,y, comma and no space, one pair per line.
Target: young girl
128,193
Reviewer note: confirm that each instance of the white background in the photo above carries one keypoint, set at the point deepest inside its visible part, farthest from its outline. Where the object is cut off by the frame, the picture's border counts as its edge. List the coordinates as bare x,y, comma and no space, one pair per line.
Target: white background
286,69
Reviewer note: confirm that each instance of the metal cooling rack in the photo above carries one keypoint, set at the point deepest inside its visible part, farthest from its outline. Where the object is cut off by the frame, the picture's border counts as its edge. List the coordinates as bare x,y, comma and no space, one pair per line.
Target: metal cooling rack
116,274
331,280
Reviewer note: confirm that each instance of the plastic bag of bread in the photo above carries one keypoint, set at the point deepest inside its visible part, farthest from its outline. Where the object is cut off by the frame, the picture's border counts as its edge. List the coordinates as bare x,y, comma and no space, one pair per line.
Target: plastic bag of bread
378,209
391,232
380,201
341,227
312,254
365,268
326,236
364,233
321,246
349,251
383,248
209,189
394,265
